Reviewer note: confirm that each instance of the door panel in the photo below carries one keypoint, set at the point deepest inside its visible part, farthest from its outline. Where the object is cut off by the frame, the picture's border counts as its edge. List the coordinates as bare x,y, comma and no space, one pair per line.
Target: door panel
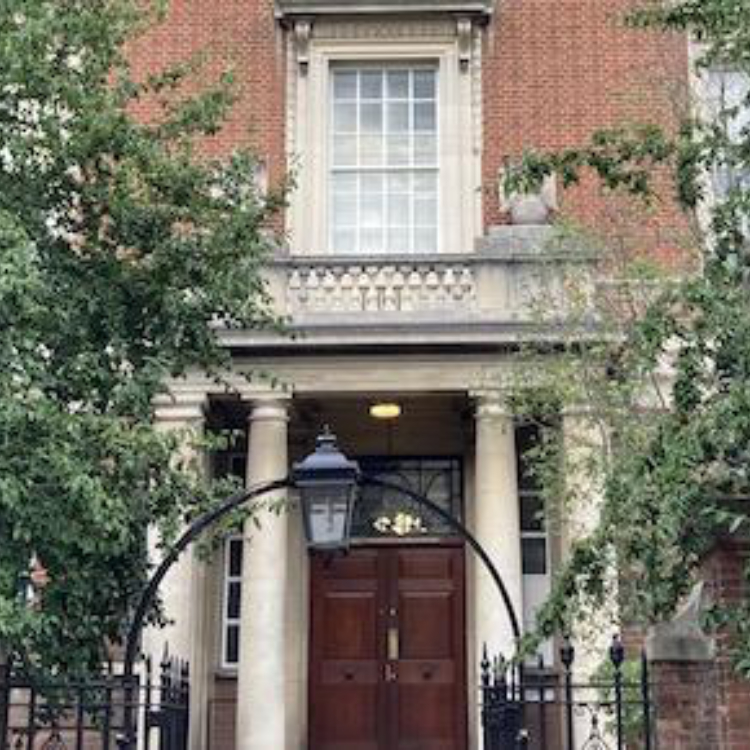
387,667
345,657
431,686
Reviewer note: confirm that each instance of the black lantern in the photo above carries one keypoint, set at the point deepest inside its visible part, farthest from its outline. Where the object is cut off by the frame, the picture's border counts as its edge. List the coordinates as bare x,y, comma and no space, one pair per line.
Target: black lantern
327,482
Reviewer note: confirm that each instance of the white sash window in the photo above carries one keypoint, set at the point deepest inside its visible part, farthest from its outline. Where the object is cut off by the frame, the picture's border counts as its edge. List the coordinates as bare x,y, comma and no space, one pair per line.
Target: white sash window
383,173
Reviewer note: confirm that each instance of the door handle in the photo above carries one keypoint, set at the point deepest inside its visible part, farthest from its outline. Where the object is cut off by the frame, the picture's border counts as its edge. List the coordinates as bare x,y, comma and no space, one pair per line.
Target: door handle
392,644
390,673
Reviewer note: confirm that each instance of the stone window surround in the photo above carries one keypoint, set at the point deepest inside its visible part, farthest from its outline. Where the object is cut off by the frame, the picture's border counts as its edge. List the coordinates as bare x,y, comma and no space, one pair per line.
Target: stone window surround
451,44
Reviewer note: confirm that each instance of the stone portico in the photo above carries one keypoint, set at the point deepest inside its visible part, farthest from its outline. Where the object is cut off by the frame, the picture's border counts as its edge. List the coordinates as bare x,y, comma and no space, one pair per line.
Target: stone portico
439,340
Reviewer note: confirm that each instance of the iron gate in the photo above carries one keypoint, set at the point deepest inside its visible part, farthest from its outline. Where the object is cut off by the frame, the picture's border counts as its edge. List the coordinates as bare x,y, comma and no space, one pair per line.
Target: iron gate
59,714
542,709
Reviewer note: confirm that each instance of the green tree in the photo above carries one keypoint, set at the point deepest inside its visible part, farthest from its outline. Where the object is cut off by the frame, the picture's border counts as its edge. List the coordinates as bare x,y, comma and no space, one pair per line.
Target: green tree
674,462
123,254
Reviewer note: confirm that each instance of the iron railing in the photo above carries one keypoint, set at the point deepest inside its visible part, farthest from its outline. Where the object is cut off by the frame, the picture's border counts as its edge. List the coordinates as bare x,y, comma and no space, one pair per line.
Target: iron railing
543,709
54,713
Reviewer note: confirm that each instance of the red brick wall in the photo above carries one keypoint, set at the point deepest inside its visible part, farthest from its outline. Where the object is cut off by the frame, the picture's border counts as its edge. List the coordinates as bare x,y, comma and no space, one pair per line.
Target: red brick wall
237,35
555,71
724,572
686,705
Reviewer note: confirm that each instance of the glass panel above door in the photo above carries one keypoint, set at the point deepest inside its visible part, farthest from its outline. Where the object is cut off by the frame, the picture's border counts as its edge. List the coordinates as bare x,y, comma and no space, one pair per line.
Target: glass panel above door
383,513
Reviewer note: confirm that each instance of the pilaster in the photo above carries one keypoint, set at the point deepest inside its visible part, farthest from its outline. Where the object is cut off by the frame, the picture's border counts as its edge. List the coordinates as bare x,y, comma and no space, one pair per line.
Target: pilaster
184,591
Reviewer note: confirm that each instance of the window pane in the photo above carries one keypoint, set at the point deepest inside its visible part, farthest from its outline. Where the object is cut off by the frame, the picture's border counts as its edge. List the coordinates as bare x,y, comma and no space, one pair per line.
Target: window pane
425,183
399,182
398,84
371,151
398,240
235,557
425,240
371,240
398,150
344,182
425,150
425,212
232,651
345,150
345,118
424,116
398,117
398,210
372,84
424,84
372,117
344,241
532,515
345,85
373,182
534,556
233,600
345,210
371,211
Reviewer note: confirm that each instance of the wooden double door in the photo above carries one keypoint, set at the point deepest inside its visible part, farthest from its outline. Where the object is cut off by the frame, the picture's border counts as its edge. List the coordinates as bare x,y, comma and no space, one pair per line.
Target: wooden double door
387,656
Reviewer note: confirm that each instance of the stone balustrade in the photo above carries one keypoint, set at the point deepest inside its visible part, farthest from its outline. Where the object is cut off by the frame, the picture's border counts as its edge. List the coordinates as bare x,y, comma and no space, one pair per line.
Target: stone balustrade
512,274
380,287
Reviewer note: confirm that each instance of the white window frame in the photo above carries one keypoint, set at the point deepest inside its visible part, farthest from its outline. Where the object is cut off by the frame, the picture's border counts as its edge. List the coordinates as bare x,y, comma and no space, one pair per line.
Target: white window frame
717,101
535,587
226,621
309,129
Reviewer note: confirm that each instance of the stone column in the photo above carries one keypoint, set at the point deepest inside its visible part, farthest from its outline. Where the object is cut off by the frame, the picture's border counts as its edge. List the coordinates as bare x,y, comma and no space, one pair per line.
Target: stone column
261,688
584,446
184,591
496,524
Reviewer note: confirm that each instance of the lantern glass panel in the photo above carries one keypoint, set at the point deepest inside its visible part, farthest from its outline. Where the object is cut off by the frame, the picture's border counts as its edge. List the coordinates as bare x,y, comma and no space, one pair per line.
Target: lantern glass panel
327,510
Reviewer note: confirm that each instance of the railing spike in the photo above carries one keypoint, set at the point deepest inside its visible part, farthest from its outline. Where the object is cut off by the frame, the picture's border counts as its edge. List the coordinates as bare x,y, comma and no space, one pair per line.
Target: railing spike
617,651
567,652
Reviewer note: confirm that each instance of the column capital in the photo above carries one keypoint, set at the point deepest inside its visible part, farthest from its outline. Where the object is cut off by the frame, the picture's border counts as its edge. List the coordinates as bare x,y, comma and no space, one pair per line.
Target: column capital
181,407
269,409
491,403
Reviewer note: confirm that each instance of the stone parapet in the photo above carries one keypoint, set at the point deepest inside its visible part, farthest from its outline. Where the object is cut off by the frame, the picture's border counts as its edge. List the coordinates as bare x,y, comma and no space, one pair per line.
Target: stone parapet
488,295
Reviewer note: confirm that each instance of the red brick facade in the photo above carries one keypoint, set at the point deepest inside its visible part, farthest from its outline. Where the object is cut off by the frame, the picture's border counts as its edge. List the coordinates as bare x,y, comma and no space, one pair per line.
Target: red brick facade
238,36
555,72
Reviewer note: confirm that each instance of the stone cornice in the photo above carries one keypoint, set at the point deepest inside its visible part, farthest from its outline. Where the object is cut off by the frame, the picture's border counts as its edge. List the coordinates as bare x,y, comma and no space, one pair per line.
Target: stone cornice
308,8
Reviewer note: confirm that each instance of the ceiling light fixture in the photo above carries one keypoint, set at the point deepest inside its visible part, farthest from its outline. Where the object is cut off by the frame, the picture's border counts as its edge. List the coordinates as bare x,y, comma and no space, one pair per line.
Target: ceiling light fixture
385,410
